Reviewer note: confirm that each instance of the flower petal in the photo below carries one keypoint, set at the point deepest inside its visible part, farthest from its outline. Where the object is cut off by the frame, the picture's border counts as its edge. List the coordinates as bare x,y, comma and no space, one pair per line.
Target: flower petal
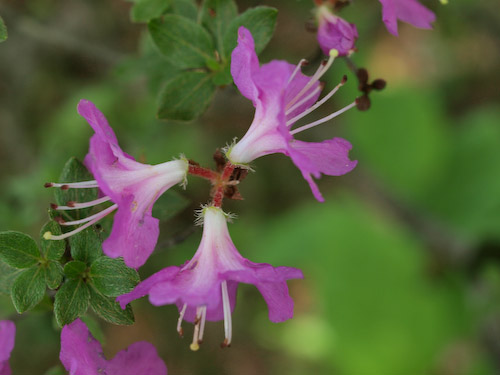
330,157
336,33
410,11
143,288
7,338
81,353
139,358
244,64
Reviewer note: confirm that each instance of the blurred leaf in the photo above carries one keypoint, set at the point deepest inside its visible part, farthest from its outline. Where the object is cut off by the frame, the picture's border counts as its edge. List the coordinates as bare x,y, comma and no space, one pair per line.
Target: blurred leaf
467,193
74,269
52,249
75,171
403,138
186,96
169,204
182,41
185,8
53,274
223,77
145,10
72,300
94,328
56,370
86,246
216,16
109,310
261,22
3,31
28,289
18,249
7,276
367,274
112,277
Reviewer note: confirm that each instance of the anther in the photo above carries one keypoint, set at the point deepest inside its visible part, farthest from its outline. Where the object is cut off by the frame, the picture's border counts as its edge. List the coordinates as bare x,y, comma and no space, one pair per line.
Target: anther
70,204
53,206
47,235
48,184
179,321
225,344
60,220
64,187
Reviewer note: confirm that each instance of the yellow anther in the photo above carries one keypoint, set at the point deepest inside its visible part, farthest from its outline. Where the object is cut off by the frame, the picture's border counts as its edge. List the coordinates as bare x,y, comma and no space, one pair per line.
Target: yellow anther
334,53
194,346
47,235
444,2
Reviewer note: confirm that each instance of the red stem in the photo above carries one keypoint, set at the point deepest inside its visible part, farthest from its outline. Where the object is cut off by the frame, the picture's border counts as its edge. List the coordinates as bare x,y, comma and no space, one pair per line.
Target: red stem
220,187
205,173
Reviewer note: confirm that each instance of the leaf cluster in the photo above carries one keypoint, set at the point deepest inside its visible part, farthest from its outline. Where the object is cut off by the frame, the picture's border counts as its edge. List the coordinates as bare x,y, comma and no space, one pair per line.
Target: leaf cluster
72,274
195,43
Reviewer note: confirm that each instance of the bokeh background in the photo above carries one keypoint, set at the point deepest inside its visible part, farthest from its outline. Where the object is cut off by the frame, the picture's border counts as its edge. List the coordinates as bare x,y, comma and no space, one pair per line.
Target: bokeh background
401,263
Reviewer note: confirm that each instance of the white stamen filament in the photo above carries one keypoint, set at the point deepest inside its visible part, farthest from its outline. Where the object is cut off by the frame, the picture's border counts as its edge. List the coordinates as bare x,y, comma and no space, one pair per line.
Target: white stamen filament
202,324
227,314
319,73
77,206
195,345
90,218
99,216
179,321
297,68
298,104
75,185
318,104
324,119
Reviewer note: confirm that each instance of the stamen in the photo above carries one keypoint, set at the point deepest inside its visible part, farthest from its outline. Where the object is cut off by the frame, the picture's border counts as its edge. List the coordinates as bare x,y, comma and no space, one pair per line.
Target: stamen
298,104
179,321
99,216
324,119
73,185
319,73
301,63
227,315
75,205
318,104
202,324
195,345
89,218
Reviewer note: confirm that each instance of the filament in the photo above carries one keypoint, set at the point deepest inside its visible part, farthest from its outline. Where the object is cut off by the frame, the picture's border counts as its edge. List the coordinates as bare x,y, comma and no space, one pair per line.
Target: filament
179,321
73,185
76,206
90,218
301,63
227,314
324,119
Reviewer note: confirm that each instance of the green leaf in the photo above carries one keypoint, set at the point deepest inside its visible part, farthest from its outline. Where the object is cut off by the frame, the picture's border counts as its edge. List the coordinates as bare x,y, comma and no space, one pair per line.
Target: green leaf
28,289
52,249
223,77
7,277
18,249
186,96
216,15
86,246
109,310
145,10
72,300
112,277
169,204
75,171
185,8
261,22
53,274
74,269
182,41
3,30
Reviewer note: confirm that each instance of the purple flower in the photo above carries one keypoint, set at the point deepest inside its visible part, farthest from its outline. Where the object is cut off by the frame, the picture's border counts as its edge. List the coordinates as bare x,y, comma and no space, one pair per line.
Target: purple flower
81,354
409,11
132,187
335,32
205,287
282,95
7,338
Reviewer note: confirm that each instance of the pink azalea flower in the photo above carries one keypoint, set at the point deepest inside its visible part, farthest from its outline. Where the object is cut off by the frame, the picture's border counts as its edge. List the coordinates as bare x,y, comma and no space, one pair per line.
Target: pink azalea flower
7,338
205,287
81,354
409,11
132,187
282,95
335,32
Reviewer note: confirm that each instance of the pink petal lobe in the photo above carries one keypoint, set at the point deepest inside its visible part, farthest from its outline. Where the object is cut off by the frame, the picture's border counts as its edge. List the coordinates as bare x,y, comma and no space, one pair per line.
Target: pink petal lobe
139,358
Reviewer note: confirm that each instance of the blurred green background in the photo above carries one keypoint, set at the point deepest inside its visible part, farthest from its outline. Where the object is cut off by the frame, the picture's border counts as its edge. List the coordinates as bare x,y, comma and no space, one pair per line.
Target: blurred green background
401,263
